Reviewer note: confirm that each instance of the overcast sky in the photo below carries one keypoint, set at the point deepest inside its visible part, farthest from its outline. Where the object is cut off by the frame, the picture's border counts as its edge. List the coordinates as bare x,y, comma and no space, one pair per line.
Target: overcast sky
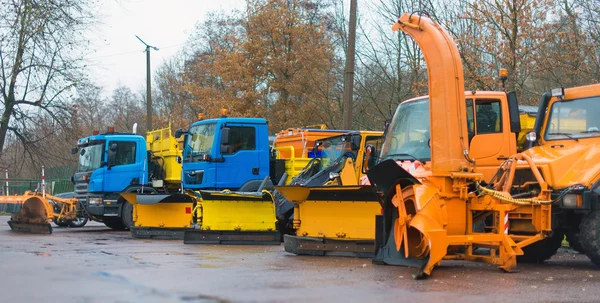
117,56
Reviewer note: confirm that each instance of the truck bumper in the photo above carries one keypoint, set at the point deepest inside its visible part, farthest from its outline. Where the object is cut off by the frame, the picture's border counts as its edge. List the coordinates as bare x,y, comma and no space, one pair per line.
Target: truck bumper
103,210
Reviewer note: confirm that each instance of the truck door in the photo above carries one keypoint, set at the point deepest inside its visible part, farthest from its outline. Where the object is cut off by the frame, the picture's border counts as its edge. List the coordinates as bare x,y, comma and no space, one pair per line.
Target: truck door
241,158
125,164
490,139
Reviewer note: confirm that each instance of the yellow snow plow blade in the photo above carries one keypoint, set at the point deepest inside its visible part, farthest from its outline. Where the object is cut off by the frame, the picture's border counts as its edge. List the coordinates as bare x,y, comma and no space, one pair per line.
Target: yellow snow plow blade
226,217
31,212
332,220
161,216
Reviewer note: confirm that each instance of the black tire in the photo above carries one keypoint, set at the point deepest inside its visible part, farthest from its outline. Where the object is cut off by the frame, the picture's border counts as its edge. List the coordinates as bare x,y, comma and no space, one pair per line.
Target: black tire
79,222
127,215
589,236
543,250
61,223
574,241
115,224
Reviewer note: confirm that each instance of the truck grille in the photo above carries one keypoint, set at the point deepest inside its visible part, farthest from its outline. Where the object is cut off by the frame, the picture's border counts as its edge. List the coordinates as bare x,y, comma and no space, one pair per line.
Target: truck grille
82,185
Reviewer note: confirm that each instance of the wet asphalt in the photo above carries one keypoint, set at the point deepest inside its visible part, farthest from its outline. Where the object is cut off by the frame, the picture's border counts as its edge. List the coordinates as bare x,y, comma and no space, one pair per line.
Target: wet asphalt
95,264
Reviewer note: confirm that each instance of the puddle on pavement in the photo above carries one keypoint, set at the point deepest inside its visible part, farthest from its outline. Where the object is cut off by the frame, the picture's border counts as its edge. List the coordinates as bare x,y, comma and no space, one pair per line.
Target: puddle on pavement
202,298
200,265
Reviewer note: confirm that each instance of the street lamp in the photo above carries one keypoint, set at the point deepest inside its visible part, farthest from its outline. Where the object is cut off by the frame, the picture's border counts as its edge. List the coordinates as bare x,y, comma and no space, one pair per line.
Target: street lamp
148,85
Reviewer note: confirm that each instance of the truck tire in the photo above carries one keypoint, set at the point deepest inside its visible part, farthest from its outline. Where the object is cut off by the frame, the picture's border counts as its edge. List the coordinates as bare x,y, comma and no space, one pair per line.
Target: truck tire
589,236
543,250
127,214
114,223
79,222
574,241
61,223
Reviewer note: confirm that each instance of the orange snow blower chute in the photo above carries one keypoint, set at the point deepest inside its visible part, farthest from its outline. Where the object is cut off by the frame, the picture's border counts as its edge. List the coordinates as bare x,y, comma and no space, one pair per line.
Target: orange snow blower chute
450,212
33,211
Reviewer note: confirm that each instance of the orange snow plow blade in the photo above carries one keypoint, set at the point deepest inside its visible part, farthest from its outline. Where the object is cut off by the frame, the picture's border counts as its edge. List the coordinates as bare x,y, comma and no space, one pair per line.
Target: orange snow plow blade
31,212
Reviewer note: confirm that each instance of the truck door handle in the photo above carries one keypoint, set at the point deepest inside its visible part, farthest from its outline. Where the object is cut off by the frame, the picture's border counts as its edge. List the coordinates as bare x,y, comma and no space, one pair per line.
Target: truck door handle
255,170
502,158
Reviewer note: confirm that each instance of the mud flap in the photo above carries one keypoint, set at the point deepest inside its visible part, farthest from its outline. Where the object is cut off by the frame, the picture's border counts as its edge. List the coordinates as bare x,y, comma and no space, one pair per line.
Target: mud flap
197,236
331,247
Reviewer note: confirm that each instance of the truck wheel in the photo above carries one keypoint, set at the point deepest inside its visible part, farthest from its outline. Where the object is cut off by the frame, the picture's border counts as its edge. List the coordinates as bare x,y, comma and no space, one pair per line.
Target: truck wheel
574,241
78,222
127,215
61,223
543,250
589,236
115,224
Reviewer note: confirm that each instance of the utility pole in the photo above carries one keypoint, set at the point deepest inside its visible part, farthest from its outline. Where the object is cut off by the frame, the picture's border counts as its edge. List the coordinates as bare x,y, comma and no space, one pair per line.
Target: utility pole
148,85
349,74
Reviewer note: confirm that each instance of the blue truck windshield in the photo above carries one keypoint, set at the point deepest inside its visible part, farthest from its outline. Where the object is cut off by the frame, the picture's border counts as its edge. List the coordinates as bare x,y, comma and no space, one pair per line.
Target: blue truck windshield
407,136
90,157
199,140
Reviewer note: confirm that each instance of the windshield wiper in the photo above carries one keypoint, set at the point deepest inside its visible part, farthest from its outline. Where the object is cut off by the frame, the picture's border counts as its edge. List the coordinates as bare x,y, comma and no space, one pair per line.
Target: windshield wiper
590,131
400,155
570,136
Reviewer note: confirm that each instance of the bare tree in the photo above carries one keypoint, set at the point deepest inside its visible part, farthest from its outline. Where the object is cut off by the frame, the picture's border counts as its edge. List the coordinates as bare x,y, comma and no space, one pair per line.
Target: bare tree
40,62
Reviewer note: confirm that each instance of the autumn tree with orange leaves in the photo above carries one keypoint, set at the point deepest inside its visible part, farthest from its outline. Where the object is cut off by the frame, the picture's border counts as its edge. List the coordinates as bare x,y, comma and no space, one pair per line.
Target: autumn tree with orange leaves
273,61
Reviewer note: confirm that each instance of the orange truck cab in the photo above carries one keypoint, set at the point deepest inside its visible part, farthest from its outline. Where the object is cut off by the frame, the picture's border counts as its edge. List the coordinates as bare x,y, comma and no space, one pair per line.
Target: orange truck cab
565,145
492,125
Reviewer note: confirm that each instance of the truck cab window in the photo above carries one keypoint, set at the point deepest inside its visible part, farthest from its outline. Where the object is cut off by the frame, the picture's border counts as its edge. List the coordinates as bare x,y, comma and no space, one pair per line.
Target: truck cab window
125,153
241,138
488,118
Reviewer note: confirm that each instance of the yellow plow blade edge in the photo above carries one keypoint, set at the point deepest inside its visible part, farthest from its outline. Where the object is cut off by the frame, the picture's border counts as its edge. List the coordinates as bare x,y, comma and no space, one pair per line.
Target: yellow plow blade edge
234,218
160,216
336,220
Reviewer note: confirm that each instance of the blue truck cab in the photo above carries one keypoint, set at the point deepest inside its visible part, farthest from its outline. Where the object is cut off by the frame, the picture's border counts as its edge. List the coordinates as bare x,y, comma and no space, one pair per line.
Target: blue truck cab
226,153
109,163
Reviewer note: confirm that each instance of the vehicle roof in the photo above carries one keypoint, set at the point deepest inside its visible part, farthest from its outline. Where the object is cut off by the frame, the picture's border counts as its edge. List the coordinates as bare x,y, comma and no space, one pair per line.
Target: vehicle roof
103,136
357,132
231,120
482,93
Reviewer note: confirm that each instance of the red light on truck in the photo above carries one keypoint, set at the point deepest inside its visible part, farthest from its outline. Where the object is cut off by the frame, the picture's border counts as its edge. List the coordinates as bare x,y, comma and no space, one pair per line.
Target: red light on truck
188,210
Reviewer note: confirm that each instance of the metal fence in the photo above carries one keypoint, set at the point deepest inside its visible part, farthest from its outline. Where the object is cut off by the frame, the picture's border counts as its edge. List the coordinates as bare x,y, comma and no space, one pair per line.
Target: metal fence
53,186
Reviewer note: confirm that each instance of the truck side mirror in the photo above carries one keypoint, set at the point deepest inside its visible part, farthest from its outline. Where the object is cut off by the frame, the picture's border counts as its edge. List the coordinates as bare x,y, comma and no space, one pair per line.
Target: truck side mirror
513,111
224,136
112,155
370,158
315,149
179,132
355,142
74,150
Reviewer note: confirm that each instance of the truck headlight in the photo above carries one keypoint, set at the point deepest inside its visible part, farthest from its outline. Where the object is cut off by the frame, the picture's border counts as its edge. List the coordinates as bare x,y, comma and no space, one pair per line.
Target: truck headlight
95,201
571,201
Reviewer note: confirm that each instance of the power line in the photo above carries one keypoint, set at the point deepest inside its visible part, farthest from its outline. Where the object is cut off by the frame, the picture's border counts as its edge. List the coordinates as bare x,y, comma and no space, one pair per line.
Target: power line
131,52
